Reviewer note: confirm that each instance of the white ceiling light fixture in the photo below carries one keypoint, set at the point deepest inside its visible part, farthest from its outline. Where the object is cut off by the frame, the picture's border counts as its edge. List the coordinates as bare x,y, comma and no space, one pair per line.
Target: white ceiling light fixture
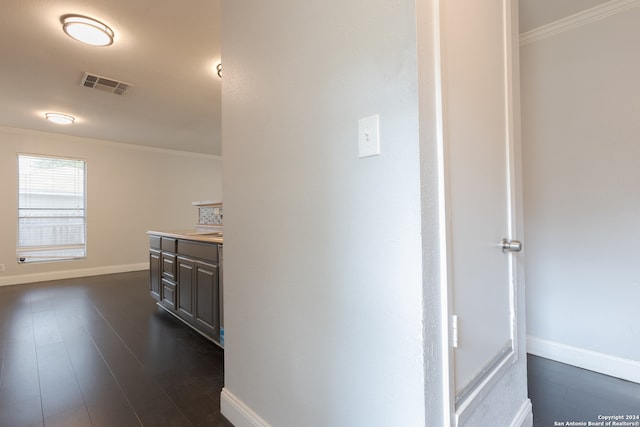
59,118
87,30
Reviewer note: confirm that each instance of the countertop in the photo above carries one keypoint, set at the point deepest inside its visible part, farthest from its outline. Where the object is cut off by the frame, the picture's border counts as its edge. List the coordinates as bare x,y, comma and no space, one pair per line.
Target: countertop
195,235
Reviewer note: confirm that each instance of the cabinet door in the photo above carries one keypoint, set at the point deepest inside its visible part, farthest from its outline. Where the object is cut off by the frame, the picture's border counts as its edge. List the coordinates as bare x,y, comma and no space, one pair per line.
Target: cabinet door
207,313
155,274
185,288
168,294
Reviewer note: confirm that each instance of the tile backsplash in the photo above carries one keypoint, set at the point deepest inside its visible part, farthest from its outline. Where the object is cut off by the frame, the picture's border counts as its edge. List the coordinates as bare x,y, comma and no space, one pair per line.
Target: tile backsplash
210,215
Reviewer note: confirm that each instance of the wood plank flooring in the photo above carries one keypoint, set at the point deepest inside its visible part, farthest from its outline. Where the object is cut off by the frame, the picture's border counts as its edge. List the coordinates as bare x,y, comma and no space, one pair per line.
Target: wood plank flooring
97,351
562,393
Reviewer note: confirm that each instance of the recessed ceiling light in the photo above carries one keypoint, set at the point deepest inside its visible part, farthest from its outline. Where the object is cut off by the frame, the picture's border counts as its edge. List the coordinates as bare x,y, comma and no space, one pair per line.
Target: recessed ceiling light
59,118
87,30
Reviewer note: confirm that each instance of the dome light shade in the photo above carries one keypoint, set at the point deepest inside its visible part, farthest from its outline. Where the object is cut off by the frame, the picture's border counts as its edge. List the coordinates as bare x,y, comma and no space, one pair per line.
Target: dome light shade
59,118
87,30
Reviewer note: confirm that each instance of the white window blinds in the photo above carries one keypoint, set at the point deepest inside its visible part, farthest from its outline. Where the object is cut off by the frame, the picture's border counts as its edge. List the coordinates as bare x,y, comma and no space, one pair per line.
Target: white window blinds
51,209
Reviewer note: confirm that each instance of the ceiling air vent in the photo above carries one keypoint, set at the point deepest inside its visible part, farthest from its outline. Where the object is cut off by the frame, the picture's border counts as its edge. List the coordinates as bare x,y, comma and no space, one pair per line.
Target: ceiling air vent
105,84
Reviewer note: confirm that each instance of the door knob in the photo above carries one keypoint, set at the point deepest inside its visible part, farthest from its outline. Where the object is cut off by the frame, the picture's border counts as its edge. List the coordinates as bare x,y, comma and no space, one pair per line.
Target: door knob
511,245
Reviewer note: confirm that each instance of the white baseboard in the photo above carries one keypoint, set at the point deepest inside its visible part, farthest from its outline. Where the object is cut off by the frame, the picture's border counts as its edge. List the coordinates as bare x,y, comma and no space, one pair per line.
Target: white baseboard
614,366
71,274
241,415
238,412
524,417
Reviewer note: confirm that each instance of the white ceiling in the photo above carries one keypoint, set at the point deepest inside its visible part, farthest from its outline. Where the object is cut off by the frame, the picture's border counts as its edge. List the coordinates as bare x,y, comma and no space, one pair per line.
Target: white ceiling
166,48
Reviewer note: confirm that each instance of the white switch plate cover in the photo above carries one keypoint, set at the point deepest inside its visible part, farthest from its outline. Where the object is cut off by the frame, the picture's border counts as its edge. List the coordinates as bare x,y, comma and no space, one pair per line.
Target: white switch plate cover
369,136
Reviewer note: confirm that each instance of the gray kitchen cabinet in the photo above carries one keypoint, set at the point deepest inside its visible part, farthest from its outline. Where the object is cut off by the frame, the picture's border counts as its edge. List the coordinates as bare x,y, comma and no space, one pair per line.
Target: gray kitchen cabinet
186,293
155,273
168,296
207,288
185,279
168,262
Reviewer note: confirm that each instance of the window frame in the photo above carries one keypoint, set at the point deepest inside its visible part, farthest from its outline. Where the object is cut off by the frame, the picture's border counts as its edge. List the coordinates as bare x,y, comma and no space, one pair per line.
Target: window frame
22,250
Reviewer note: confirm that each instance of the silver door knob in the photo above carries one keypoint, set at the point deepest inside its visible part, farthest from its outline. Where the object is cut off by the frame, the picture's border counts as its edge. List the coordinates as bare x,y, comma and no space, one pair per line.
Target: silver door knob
511,245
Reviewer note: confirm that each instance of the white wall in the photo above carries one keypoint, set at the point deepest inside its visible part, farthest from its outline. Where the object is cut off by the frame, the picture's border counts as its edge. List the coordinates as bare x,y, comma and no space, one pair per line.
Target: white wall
129,191
580,93
332,292
323,293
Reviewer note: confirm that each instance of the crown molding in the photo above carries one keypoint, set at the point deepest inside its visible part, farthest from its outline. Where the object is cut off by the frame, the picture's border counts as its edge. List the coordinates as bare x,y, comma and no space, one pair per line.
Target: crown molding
114,144
577,20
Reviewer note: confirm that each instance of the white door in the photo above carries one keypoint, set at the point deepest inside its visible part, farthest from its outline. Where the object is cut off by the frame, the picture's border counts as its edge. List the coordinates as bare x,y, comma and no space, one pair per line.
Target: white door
478,140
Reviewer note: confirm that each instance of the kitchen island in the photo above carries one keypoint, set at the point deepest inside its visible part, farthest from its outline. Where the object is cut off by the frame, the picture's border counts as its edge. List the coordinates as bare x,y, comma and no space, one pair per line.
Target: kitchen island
186,278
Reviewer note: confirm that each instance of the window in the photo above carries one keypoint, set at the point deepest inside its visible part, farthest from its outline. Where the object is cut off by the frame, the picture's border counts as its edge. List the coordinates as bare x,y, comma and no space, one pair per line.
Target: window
51,209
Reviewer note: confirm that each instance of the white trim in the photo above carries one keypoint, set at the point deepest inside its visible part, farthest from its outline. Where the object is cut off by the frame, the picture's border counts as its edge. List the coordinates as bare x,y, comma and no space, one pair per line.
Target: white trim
607,364
510,38
577,20
71,274
238,412
446,304
524,417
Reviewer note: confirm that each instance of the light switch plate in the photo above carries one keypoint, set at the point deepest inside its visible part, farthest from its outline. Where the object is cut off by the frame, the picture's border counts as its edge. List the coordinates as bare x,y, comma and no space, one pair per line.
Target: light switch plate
369,136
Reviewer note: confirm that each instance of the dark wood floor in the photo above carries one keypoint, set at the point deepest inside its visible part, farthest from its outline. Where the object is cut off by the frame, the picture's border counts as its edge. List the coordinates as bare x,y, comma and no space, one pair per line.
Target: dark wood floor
562,393
98,352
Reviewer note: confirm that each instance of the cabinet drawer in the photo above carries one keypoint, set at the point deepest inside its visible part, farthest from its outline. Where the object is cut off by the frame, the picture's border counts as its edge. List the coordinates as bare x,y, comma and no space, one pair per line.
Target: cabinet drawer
154,242
205,251
168,266
168,244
